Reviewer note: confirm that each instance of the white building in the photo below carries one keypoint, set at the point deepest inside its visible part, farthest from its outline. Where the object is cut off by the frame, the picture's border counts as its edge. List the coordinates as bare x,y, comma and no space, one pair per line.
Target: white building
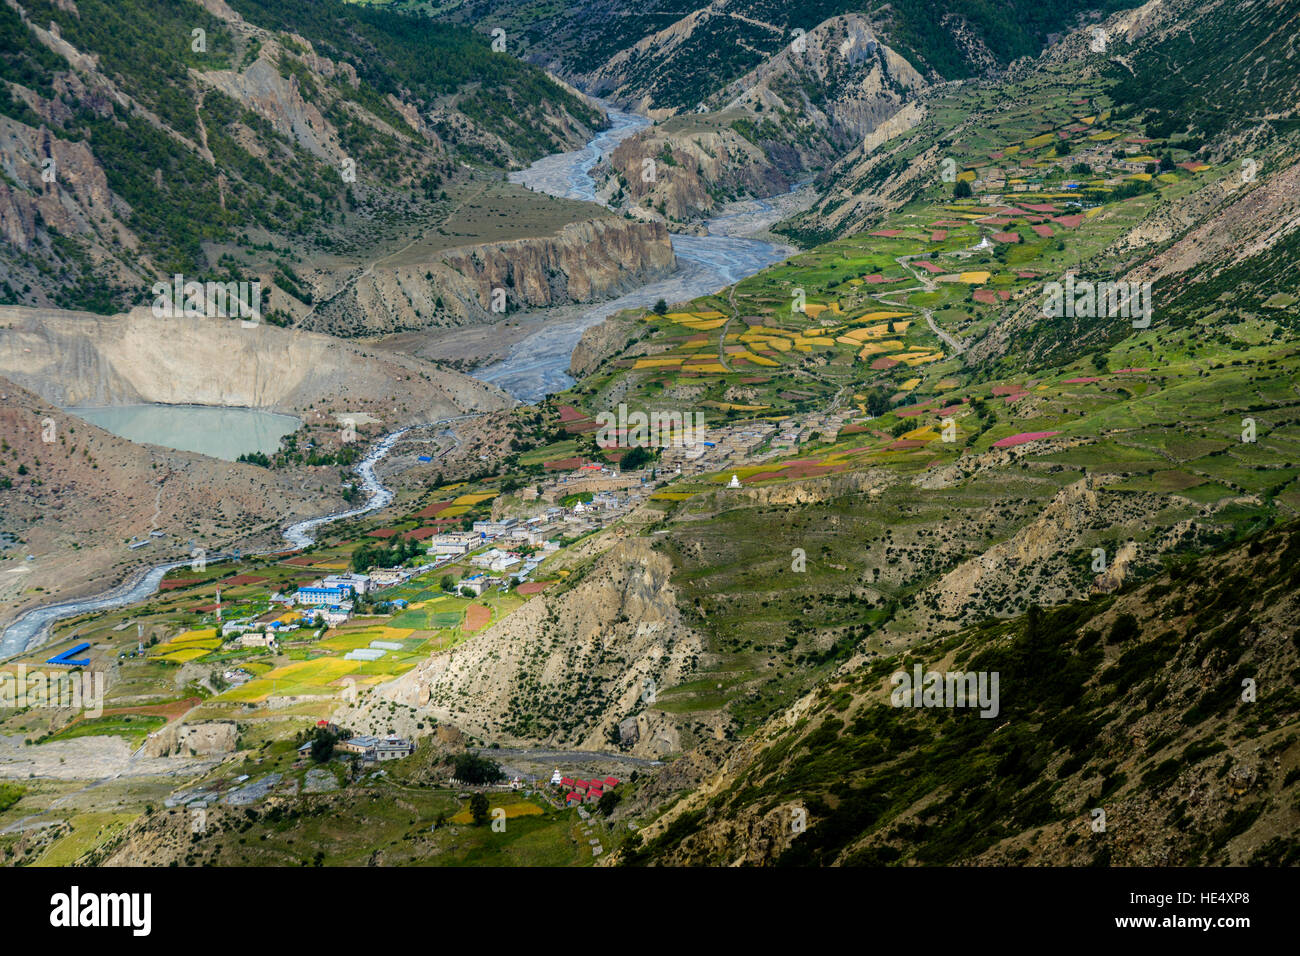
454,543
387,577
504,562
488,557
359,583
257,639
337,615
494,529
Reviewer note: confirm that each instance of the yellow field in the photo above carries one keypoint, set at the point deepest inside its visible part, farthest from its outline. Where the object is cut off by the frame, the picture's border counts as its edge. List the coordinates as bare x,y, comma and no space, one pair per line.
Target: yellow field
472,500
204,634
658,362
877,316
512,810
185,654
297,678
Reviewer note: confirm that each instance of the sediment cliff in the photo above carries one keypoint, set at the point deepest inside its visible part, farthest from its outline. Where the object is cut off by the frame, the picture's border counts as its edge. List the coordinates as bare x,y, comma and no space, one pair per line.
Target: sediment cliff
584,261
76,358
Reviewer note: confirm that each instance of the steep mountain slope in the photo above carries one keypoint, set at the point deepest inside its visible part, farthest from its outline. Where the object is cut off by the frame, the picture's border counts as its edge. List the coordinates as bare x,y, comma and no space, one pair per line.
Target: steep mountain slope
254,134
785,91
664,57
1157,727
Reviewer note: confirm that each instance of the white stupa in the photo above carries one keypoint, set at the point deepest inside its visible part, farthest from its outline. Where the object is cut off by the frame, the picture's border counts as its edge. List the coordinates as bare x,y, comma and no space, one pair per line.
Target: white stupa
734,482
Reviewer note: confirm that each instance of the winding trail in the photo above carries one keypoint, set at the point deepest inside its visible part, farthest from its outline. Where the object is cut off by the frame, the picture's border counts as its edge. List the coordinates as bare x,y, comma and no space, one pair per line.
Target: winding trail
927,285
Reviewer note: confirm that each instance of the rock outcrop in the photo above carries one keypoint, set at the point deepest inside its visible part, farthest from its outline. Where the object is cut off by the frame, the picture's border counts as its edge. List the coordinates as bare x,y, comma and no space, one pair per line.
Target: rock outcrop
567,669
73,358
193,740
600,342
583,261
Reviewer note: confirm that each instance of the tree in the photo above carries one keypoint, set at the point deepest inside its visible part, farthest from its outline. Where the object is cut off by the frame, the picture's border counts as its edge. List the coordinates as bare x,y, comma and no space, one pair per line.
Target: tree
473,769
636,458
962,190
608,801
478,809
322,746
661,307
448,583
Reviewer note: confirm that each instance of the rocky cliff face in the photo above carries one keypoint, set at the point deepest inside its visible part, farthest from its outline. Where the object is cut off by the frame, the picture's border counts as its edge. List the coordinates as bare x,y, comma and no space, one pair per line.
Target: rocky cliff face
193,740
692,168
72,359
600,342
582,262
574,669
797,111
52,182
857,80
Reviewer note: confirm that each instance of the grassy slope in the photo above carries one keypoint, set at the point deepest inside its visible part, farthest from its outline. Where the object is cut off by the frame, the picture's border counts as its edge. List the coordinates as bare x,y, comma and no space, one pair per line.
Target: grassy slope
1132,704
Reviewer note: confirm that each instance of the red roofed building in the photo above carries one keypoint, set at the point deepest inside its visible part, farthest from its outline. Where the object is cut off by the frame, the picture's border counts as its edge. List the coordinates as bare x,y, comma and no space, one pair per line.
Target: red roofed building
573,799
611,782
567,782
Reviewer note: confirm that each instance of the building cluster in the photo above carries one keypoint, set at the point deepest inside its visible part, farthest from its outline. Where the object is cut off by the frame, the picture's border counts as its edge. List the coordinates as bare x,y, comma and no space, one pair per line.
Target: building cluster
578,791
369,748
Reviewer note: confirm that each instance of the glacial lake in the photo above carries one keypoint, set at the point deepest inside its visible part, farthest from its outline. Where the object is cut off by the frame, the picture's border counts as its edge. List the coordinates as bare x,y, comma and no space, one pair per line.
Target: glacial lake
224,433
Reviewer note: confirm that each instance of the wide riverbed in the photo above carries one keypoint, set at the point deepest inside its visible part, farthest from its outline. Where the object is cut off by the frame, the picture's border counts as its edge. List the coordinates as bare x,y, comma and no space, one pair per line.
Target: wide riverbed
538,364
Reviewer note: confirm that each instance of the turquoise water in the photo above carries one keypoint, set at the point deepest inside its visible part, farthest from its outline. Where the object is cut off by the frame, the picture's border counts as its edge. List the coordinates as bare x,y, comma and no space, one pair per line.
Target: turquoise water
224,433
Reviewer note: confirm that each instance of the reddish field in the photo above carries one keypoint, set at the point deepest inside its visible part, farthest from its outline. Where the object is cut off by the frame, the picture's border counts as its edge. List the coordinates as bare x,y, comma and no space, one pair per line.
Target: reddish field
1013,440
173,583
533,587
564,464
476,618
242,579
